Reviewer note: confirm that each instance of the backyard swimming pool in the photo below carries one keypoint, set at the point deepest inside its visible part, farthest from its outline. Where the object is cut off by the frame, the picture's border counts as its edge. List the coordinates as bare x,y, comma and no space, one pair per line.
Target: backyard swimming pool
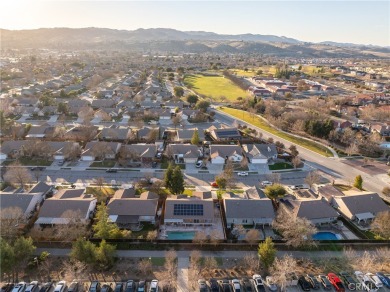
180,235
326,236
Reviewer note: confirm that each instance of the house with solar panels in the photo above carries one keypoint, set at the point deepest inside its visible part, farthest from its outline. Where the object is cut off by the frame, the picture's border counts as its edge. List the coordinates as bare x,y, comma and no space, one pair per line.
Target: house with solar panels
225,134
183,210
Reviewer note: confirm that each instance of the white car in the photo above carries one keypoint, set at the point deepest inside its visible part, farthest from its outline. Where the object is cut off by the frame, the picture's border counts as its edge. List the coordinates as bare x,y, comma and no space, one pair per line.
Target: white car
265,183
242,173
259,285
199,164
375,279
153,286
236,285
60,287
368,285
359,275
271,284
20,287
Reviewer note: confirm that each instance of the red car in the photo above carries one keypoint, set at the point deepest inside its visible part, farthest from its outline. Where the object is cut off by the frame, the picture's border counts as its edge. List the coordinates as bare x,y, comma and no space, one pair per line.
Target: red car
336,282
214,184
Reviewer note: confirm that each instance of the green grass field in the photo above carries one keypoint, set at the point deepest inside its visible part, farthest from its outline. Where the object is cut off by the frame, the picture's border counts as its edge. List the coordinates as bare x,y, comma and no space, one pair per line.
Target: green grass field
214,87
256,121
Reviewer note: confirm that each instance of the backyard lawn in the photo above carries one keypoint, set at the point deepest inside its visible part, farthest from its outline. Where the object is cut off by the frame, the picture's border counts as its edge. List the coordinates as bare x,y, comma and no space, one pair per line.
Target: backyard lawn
214,87
258,122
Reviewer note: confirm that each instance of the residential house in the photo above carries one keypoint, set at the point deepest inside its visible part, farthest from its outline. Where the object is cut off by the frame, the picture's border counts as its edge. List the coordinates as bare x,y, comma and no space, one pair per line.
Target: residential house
188,114
26,202
260,153
67,205
317,211
361,206
61,150
225,134
185,135
382,129
41,131
115,133
101,150
183,153
147,133
165,117
102,103
42,188
254,208
189,211
220,153
328,192
145,153
129,211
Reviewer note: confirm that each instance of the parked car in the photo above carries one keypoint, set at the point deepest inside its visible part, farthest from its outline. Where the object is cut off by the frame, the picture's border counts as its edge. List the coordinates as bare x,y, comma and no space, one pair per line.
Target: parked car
113,170
271,284
242,173
119,287
95,286
385,279
154,164
225,285
336,282
141,286
202,285
305,285
214,184
236,285
153,286
214,287
324,282
32,287
368,285
348,280
130,286
7,287
61,163
60,287
73,287
375,279
246,285
106,288
198,164
159,155
265,183
46,287
313,281
20,287
259,285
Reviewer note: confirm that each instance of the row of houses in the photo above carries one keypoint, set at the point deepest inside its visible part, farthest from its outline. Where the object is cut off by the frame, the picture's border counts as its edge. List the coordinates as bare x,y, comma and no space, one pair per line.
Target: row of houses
129,211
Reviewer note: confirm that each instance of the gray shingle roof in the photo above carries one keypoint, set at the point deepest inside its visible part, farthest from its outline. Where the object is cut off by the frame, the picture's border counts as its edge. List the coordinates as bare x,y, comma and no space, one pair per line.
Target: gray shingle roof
54,208
139,207
243,208
40,187
364,203
21,201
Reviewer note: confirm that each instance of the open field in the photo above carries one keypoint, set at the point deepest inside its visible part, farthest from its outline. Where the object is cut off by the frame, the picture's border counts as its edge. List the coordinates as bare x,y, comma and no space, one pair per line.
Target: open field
214,87
258,122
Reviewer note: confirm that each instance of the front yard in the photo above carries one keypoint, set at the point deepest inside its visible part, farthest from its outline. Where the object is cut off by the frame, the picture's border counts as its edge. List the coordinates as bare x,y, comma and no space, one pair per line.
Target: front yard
104,164
280,165
28,161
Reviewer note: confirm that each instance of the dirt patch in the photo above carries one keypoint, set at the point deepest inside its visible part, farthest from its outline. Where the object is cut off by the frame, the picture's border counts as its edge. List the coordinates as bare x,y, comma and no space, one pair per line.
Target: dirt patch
371,168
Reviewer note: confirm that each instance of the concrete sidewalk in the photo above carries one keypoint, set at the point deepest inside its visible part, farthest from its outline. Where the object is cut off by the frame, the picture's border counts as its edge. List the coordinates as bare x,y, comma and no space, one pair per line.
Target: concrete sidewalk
182,274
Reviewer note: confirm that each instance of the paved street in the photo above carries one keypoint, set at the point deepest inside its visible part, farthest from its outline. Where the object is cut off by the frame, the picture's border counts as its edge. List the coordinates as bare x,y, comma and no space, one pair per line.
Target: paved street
332,166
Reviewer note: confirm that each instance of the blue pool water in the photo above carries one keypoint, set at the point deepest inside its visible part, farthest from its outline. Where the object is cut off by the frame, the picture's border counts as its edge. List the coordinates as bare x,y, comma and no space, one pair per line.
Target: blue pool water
325,236
180,235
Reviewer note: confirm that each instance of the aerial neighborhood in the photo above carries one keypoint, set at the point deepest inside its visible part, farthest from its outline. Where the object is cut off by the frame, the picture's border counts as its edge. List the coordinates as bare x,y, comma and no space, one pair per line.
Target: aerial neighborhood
126,159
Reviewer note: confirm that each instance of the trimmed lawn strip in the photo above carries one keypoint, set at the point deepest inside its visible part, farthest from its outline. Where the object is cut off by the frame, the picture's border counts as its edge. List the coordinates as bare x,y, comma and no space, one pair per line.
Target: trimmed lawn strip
30,161
106,163
258,122
280,165
214,87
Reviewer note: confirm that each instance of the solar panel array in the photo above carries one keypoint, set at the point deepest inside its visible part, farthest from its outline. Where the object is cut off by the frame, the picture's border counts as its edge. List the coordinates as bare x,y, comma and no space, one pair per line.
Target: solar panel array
188,209
228,133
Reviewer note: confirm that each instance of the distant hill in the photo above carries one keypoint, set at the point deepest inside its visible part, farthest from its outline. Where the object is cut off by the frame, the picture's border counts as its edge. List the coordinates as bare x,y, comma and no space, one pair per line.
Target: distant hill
171,40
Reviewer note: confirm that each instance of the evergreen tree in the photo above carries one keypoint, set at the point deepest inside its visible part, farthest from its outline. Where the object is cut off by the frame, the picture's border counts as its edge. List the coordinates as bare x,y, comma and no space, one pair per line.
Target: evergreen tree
168,176
177,183
105,254
358,182
7,257
84,251
103,227
267,252
23,250
195,138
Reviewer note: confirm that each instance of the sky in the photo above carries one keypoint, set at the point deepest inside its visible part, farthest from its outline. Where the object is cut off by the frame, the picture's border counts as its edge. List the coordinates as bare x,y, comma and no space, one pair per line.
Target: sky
361,22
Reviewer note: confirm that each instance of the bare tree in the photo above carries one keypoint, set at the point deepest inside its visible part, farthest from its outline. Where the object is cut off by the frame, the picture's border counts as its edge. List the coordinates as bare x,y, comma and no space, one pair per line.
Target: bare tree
73,227
101,149
200,238
170,269
12,219
152,235
86,113
215,236
99,181
194,269
281,270
37,174
71,151
210,263
313,177
352,149
145,267
244,163
381,225
296,161
17,175
176,121
153,135
296,231
238,230
252,236
251,262
274,177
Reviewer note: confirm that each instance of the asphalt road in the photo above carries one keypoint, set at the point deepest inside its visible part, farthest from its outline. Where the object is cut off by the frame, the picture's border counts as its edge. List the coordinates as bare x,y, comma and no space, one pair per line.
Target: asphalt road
332,166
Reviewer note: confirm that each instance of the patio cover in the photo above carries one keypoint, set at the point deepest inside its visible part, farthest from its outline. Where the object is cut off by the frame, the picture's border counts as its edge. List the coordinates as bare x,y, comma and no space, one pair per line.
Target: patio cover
365,216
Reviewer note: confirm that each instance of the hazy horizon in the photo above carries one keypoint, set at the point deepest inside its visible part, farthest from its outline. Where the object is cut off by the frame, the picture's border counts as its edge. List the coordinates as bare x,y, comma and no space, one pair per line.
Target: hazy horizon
359,22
